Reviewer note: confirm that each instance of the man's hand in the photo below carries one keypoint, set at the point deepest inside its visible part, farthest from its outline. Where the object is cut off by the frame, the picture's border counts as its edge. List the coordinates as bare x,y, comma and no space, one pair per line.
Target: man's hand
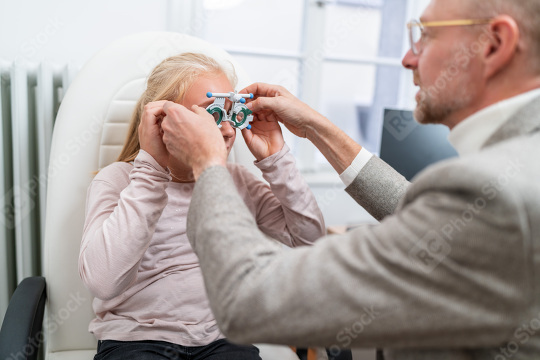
275,103
150,135
193,137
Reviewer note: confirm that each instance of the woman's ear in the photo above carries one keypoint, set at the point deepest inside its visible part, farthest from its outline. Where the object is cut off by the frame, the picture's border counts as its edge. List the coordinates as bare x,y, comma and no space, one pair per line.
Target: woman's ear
503,38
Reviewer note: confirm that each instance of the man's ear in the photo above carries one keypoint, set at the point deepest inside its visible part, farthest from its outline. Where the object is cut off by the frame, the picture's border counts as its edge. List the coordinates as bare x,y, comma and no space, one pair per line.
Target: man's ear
502,44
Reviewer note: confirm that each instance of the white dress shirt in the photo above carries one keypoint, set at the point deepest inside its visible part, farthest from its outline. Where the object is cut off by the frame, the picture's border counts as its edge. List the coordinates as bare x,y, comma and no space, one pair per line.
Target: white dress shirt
467,137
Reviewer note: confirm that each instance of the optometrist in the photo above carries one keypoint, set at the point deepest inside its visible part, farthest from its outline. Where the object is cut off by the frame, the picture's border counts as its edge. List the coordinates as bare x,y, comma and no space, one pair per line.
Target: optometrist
451,271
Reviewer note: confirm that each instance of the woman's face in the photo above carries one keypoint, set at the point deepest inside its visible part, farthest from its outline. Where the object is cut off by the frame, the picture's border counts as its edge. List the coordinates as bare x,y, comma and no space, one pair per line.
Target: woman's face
196,95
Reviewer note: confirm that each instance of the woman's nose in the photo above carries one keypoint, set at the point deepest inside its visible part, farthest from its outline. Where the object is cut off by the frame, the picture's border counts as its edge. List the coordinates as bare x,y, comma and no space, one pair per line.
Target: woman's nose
227,130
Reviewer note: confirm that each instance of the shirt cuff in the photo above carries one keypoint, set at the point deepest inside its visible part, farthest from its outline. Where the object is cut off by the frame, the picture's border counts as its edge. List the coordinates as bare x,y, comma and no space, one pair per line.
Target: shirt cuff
269,161
358,164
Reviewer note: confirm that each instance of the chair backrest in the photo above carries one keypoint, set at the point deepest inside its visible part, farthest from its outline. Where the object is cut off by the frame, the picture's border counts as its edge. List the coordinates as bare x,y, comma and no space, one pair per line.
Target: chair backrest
89,132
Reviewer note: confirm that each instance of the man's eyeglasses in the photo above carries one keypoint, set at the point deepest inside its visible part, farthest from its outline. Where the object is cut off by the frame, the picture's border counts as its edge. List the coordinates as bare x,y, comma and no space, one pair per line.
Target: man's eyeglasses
416,29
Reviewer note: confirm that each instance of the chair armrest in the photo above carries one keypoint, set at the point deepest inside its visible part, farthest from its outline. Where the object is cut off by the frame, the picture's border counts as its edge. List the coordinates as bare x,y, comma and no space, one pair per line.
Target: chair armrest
20,336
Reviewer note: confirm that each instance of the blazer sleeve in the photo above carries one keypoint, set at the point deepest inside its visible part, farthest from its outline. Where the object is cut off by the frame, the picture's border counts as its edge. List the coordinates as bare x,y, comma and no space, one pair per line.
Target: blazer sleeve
378,188
427,276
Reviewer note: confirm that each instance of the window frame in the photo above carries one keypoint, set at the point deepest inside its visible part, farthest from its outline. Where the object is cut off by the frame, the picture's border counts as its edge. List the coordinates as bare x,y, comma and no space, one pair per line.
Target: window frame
191,20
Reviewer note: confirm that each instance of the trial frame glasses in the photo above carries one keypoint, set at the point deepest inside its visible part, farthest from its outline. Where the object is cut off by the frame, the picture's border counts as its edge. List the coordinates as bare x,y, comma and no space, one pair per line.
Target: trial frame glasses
416,29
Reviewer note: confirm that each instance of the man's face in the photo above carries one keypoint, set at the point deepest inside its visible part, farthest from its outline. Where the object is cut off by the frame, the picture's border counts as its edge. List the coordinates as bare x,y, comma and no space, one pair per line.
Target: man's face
447,69
196,95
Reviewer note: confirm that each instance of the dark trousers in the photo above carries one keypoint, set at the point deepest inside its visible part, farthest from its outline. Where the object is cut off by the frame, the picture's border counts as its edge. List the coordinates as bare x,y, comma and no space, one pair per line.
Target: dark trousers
161,350
344,354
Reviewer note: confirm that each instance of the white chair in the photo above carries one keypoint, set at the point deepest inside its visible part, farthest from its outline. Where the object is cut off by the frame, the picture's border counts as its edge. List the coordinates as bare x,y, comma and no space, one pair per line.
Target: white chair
89,132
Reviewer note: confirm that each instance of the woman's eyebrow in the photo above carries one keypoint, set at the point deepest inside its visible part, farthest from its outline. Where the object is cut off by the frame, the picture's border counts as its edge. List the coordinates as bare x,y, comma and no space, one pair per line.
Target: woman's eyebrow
206,103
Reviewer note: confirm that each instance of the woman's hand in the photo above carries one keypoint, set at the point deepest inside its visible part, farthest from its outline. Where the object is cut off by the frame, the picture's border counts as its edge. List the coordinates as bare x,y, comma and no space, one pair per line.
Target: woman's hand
264,138
150,133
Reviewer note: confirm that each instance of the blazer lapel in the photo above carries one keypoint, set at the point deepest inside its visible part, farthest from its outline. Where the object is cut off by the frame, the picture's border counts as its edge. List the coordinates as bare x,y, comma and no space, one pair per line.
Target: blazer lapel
526,120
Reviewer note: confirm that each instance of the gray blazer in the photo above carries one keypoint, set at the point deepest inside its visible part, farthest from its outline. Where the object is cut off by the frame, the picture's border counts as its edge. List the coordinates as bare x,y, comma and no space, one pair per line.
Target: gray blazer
449,273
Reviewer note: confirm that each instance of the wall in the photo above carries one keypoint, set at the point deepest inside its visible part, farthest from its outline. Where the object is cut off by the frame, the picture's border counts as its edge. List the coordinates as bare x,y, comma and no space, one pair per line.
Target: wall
60,31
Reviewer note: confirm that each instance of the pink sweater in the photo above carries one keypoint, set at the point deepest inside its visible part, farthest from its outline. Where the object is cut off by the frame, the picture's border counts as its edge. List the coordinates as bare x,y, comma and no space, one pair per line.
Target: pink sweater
137,261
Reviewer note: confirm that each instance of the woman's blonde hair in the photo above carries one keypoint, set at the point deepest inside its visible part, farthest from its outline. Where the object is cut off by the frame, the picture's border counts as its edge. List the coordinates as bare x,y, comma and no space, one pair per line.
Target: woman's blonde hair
170,80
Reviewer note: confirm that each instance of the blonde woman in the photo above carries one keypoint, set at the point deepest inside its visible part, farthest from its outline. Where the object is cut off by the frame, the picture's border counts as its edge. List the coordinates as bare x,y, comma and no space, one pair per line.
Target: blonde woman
135,258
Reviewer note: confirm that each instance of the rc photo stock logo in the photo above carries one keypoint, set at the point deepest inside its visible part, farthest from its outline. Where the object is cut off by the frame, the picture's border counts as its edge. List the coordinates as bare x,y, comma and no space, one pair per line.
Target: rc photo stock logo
346,336
16,198
401,124
430,251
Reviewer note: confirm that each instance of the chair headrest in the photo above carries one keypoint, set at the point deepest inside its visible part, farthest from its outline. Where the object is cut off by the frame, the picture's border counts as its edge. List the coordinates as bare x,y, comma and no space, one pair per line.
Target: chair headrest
89,132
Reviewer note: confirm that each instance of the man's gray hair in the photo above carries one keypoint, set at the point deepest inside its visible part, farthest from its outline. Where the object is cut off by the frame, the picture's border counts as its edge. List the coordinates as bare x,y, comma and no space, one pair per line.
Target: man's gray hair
526,14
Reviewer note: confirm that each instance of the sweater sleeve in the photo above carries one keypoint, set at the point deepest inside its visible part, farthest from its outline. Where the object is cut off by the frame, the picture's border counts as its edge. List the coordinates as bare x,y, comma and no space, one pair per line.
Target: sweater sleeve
122,210
286,209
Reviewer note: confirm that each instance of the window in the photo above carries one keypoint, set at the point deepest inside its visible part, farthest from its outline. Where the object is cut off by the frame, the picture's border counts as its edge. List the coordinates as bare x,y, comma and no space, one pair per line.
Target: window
342,57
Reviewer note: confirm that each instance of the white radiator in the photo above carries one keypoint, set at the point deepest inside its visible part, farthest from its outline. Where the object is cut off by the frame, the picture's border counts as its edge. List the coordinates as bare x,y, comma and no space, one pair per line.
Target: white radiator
29,100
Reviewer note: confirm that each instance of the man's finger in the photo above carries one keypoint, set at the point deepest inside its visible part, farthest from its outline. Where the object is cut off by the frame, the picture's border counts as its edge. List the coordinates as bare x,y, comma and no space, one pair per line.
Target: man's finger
170,106
262,89
255,89
261,104
202,112
199,110
154,105
158,103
